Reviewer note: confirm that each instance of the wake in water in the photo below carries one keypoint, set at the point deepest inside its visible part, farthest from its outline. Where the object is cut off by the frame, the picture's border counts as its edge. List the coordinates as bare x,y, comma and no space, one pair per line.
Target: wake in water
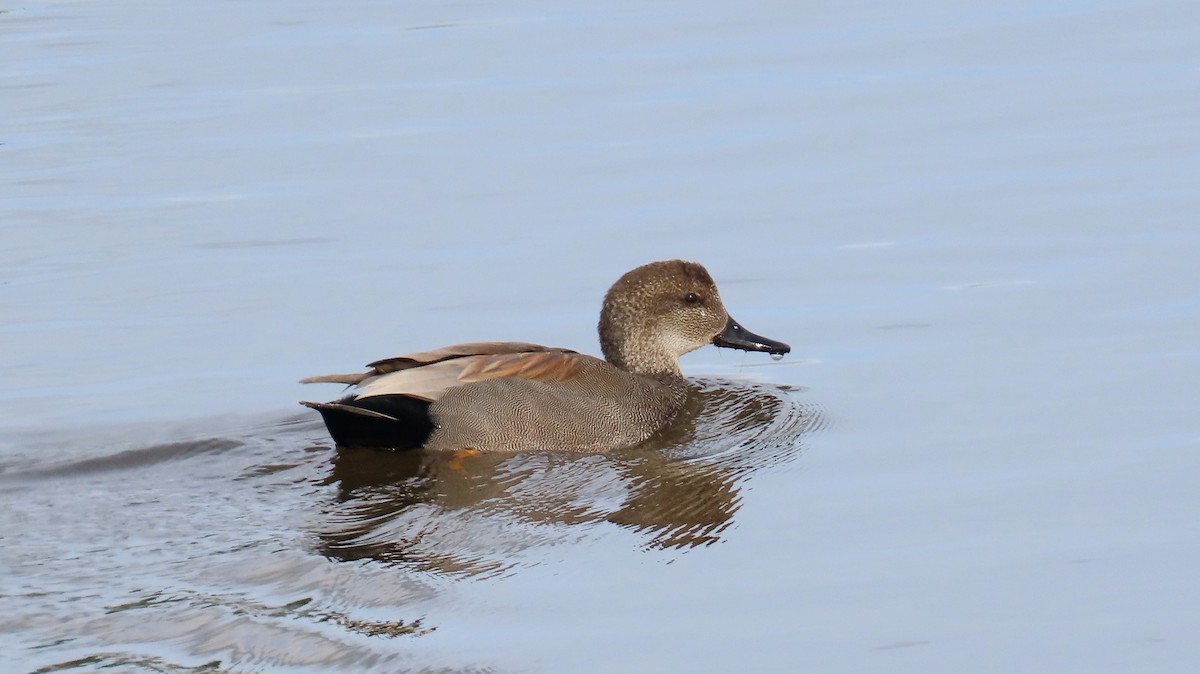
204,546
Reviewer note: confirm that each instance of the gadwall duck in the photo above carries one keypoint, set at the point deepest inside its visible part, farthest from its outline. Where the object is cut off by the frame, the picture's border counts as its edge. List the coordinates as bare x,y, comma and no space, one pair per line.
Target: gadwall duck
512,396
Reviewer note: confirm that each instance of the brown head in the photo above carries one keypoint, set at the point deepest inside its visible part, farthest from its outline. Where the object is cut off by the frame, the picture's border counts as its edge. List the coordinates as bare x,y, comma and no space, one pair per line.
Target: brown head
662,310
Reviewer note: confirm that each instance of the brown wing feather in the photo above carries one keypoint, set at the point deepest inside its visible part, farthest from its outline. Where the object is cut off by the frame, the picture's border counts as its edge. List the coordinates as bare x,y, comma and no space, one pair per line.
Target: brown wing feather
454,351
539,366
429,382
352,378
425,358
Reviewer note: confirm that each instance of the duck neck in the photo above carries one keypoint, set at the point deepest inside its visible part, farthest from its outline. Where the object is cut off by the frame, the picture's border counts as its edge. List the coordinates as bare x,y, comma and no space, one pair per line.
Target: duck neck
635,356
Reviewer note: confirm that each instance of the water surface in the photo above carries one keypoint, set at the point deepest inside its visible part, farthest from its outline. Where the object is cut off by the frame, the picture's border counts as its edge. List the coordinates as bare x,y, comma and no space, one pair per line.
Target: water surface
975,224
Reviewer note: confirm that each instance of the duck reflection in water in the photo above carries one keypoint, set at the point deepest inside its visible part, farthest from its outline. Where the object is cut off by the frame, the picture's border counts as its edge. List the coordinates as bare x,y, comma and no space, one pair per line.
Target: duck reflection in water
485,513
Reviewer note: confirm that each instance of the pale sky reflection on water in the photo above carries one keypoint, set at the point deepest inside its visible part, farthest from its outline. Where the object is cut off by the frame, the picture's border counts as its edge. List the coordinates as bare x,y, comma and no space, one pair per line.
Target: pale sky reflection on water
975,224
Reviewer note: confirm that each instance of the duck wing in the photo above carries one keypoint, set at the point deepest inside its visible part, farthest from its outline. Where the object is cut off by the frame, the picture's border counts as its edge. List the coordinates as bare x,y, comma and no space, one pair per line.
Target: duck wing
428,374
429,382
411,360
455,351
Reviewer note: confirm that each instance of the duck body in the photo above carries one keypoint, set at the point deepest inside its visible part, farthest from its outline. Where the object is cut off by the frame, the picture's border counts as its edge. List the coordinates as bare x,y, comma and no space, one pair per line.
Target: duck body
502,396
515,396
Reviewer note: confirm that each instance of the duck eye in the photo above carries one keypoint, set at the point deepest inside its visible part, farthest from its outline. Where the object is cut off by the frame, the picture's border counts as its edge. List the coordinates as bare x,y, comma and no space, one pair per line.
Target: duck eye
691,298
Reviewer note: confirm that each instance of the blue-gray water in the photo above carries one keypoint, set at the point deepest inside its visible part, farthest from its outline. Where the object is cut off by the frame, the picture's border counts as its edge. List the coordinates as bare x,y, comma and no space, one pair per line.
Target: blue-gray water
975,223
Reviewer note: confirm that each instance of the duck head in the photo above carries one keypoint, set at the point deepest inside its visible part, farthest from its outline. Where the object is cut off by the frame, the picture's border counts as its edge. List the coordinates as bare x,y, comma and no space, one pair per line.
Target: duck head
656,313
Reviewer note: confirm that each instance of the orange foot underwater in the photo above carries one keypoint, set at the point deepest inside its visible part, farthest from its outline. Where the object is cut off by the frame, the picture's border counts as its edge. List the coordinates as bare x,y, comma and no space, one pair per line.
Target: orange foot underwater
459,456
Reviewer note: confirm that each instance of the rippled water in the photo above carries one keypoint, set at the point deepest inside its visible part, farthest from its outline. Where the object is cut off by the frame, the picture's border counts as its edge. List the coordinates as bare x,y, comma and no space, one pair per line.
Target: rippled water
210,563
974,222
